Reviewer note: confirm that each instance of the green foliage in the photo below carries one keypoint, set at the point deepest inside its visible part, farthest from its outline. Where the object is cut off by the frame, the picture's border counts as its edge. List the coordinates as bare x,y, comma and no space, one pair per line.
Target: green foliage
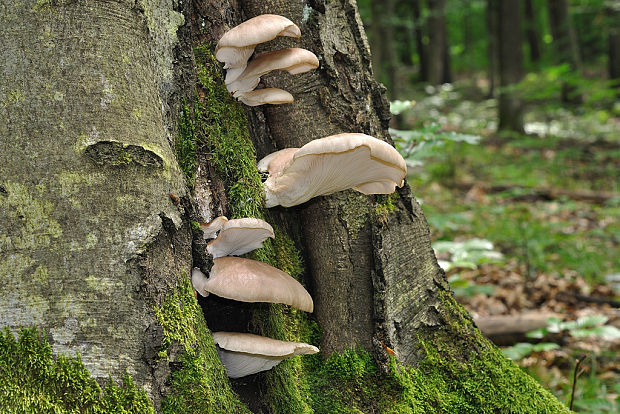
33,381
592,325
415,145
200,384
467,254
522,349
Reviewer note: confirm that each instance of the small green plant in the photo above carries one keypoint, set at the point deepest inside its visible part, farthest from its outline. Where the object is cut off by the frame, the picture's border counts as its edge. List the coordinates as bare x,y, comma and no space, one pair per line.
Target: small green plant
414,145
467,254
593,325
523,349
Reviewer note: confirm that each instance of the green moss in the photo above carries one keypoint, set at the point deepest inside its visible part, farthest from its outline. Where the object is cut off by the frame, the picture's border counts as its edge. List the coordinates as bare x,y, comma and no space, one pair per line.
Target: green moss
33,381
460,372
220,128
200,385
186,144
385,206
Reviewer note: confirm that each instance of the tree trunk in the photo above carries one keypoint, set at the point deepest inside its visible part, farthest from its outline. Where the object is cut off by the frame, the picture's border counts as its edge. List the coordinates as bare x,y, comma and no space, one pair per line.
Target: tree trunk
96,251
491,16
436,50
421,47
510,65
565,45
614,49
531,31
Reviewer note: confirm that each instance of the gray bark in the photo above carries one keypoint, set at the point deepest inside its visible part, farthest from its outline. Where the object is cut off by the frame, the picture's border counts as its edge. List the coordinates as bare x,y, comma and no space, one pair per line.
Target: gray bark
89,237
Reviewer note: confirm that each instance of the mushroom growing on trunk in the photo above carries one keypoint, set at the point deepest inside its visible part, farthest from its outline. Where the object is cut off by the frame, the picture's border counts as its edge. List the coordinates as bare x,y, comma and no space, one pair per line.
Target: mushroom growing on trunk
293,60
327,165
239,236
237,45
245,354
248,280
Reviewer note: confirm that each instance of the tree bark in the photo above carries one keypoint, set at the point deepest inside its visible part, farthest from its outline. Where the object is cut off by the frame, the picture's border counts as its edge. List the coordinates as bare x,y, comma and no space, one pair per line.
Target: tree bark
510,65
437,46
531,31
93,243
420,31
565,45
491,16
613,44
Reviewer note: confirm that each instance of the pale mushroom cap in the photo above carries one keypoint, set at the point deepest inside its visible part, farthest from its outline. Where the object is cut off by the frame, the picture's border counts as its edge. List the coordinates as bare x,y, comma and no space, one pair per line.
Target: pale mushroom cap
248,280
239,236
237,45
211,228
273,96
339,162
276,161
246,354
294,60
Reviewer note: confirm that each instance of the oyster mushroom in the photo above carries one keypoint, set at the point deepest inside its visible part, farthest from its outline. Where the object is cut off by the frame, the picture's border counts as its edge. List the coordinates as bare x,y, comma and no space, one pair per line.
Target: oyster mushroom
237,45
294,60
327,165
245,354
239,236
248,280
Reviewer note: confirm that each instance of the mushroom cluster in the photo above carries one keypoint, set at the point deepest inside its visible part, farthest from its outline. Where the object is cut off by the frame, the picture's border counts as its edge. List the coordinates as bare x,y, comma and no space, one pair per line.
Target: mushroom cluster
295,175
248,280
237,45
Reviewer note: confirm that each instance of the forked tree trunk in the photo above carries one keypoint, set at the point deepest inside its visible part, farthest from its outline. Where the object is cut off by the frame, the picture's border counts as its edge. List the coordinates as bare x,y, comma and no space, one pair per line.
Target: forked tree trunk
93,244
510,65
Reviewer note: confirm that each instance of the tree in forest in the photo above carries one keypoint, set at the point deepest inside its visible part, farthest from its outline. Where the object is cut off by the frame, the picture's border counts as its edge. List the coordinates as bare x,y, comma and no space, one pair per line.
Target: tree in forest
531,31
613,44
119,135
437,50
510,65
564,45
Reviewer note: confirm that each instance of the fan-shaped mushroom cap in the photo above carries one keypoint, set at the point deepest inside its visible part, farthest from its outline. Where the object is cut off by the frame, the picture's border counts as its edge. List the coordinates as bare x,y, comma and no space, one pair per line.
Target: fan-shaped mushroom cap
294,60
271,96
211,228
237,45
239,236
248,280
246,354
327,165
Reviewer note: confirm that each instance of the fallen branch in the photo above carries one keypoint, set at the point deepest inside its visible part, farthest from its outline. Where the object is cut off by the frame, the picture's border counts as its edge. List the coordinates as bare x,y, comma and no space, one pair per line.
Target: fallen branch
509,329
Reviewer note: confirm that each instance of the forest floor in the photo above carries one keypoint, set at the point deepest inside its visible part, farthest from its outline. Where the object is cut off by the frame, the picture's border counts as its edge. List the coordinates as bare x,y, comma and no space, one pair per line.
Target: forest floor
528,229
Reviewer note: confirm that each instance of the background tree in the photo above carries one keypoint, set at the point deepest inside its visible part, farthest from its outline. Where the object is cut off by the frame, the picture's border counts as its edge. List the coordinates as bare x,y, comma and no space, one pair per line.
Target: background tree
510,65
97,238
565,44
532,31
